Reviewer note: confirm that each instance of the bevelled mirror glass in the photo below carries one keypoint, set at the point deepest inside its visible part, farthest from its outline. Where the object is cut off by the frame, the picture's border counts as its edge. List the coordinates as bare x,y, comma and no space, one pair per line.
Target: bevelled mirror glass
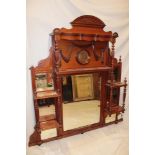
44,86
47,111
81,100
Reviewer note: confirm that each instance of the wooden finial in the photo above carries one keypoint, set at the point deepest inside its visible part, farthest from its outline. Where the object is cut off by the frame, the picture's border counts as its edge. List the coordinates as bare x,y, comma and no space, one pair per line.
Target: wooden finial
120,59
115,35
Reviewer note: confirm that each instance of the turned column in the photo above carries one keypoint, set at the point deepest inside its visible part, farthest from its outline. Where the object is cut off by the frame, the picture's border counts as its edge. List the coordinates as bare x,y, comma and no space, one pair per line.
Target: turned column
113,41
59,106
35,138
124,94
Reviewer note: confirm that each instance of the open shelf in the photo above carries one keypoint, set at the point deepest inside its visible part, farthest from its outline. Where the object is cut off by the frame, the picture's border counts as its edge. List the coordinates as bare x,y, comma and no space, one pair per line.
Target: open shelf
46,118
44,89
84,70
46,94
49,125
115,84
115,109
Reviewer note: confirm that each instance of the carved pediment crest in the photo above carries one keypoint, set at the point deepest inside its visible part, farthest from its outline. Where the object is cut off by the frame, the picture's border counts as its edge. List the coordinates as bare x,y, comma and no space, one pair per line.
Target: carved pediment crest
88,21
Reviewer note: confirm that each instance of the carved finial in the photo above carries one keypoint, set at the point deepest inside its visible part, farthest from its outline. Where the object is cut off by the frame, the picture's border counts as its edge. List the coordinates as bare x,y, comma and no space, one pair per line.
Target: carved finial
115,35
120,59
56,30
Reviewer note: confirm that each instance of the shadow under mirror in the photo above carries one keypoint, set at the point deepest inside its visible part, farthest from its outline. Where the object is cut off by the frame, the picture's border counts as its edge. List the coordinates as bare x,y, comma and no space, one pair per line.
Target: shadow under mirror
81,100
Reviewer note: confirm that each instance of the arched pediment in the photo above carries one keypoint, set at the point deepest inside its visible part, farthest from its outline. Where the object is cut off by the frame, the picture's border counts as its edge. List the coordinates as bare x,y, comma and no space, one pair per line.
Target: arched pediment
88,21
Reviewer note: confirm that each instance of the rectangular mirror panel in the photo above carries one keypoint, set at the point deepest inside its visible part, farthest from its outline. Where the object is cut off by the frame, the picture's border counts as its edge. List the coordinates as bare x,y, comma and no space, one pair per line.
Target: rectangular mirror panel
47,115
81,100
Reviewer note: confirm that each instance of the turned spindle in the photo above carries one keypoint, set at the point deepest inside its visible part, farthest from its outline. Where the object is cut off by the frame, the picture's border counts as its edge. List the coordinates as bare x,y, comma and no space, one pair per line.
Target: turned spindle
36,110
120,59
111,98
113,41
124,94
57,54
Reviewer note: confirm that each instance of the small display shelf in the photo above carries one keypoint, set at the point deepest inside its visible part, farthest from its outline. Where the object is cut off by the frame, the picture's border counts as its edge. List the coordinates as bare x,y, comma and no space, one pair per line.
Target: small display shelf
49,125
46,118
115,109
46,94
44,89
48,122
111,106
116,84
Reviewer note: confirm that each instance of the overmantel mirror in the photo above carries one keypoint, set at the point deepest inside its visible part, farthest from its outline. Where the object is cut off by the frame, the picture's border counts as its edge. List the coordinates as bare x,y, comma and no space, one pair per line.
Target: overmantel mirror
78,87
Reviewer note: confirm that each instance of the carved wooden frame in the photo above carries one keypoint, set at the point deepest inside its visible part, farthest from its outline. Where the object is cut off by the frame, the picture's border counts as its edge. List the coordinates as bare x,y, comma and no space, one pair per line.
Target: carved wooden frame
88,29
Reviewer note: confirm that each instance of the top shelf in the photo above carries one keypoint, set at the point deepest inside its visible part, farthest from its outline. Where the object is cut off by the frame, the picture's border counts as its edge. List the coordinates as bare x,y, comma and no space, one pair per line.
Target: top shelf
82,36
84,70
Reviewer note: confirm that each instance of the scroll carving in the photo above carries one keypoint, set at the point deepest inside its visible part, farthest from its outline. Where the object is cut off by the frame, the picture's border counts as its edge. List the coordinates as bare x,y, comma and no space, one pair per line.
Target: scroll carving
67,58
97,57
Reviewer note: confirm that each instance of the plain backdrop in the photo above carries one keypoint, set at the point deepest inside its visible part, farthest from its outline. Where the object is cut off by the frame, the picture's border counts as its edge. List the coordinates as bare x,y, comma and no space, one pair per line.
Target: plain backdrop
45,15
12,65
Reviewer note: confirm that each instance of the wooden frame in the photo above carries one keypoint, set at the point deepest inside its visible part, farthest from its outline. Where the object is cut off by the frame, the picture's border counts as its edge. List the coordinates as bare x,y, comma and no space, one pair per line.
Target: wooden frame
87,33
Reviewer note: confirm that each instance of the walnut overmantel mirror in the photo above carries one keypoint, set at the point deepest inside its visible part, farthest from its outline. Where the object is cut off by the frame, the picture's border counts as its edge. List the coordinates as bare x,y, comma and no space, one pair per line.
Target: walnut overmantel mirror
78,87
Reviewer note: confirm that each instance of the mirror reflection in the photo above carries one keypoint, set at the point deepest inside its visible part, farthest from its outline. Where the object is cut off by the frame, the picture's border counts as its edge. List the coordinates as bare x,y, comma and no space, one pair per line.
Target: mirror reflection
47,112
81,100
44,86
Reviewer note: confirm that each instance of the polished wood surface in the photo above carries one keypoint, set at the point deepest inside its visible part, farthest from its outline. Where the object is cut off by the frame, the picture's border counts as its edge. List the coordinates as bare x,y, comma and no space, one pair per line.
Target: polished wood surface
87,34
46,118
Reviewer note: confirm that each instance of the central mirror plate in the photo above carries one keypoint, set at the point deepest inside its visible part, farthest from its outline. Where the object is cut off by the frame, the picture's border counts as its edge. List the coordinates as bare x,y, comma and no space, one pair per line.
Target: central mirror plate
81,100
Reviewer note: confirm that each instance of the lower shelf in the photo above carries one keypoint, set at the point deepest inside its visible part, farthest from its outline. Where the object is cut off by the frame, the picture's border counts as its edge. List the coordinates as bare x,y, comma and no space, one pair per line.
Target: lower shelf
117,109
49,125
46,118
67,134
114,109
